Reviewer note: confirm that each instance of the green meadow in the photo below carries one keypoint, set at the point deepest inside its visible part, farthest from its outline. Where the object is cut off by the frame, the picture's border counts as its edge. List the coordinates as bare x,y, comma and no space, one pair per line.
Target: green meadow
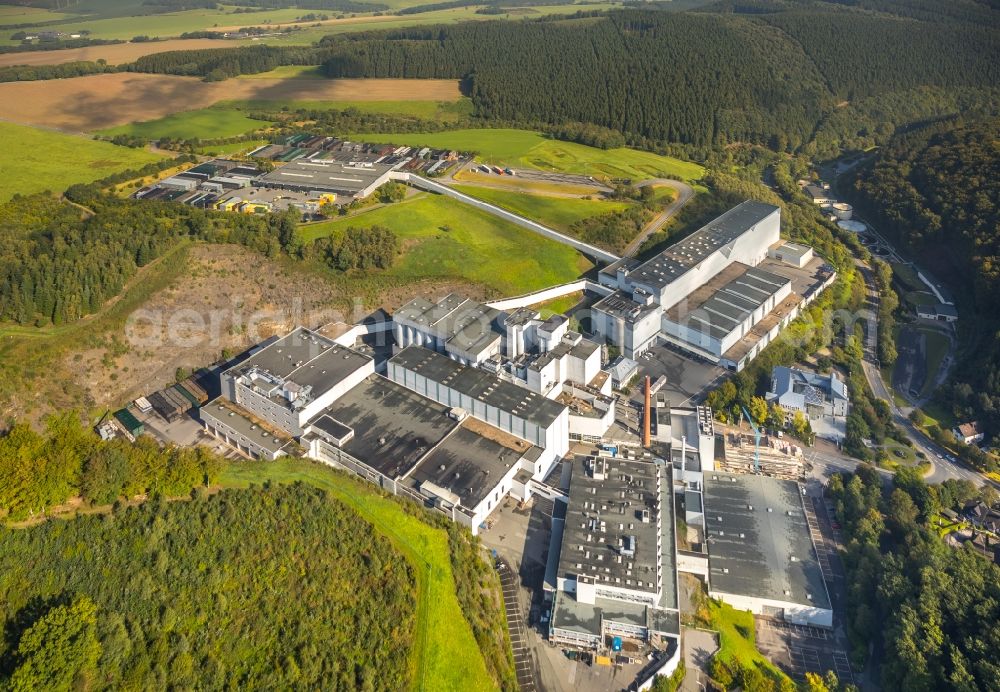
526,149
444,239
33,160
557,212
204,123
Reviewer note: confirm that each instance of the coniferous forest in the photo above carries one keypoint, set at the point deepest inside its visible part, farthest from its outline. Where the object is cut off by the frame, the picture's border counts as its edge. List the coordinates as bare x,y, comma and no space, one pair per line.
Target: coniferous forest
267,588
936,191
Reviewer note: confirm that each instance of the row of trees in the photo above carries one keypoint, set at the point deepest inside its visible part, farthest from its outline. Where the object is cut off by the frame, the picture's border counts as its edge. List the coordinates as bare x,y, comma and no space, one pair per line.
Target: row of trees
374,247
934,191
279,587
40,470
930,610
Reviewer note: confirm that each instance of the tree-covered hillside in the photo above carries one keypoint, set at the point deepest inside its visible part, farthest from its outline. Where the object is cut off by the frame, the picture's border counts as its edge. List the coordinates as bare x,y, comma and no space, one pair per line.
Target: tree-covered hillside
929,611
789,74
767,73
273,588
936,191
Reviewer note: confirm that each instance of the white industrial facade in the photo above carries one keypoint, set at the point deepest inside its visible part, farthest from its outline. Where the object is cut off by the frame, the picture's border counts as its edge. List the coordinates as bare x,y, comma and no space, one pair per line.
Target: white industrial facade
504,405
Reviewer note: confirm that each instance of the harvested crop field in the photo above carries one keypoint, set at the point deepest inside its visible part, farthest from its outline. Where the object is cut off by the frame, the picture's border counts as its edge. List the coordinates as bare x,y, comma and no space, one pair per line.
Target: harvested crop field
115,54
84,104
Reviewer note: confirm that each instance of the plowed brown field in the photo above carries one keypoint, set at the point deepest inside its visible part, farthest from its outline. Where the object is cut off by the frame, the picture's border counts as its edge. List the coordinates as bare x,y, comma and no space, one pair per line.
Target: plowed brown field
84,104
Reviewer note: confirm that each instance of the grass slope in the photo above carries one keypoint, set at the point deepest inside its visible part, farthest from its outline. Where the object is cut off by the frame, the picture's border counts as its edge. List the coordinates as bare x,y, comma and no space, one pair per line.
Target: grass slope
446,656
204,123
557,212
526,149
738,640
445,239
34,160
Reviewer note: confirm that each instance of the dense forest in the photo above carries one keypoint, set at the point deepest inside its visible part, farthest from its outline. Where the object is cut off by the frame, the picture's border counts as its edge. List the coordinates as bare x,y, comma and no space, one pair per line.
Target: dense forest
58,264
932,611
811,76
935,191
267,588
40,470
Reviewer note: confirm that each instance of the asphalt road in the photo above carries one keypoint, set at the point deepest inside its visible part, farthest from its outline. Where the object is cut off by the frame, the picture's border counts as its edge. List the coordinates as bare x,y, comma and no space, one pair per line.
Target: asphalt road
942,468
684,195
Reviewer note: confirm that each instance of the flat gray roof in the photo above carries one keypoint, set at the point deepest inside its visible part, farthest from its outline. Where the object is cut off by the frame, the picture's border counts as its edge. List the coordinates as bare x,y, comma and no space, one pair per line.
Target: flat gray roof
471,461
569,614
232,415
592,501
620,305
723,303
325,175
762,547
306,358
393,426
463,323
480,385
669,265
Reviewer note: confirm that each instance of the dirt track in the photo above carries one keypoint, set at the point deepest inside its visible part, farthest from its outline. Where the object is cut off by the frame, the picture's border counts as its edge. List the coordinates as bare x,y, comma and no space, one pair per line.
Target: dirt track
85,104
115,54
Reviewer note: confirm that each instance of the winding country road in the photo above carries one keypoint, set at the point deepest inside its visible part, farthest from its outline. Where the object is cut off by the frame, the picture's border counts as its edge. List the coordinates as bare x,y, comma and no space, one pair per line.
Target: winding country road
941,468
684,195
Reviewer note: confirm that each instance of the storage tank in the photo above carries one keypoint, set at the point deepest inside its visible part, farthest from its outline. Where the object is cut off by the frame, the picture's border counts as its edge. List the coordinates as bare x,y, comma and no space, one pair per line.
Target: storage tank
853,226
842,210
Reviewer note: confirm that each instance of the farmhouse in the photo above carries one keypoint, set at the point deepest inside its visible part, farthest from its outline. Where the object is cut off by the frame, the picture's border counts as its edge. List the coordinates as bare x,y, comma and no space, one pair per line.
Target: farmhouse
969,433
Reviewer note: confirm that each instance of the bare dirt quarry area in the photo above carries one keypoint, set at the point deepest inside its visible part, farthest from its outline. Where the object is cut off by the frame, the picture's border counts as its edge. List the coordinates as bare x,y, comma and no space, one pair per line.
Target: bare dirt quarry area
229,298
95,102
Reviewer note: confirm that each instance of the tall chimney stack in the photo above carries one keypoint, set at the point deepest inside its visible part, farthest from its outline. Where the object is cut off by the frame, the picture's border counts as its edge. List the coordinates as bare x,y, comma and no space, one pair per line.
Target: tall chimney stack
647,414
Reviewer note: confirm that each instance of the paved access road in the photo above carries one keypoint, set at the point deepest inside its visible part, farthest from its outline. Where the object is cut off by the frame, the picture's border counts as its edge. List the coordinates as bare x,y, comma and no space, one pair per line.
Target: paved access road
684,195
942,468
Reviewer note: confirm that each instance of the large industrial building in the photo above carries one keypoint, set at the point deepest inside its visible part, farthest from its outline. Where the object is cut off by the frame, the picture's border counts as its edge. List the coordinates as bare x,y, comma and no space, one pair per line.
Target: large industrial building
349,178
513,409
723,293
447,435
612,561
462,329
760,550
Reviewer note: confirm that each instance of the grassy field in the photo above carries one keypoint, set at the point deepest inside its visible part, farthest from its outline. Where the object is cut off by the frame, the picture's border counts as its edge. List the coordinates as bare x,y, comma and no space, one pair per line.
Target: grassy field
447,111
230,149
559,213
205,123
444,637
525,149
937,347
34,160
114,23
16,14
167,24
737,639
445,239
559,306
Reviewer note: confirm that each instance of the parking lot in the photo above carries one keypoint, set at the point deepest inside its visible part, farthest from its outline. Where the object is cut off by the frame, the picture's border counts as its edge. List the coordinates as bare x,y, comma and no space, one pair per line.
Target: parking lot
797,649
688,379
